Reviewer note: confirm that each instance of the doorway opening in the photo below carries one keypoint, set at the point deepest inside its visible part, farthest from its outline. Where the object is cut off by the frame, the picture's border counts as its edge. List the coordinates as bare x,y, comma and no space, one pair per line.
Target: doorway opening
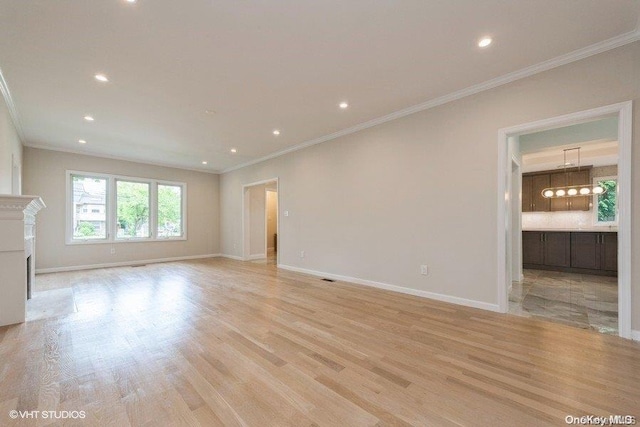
565,254
261,222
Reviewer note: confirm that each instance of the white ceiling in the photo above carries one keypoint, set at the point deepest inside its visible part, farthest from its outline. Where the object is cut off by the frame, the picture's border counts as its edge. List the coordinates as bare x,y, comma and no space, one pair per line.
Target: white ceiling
263,65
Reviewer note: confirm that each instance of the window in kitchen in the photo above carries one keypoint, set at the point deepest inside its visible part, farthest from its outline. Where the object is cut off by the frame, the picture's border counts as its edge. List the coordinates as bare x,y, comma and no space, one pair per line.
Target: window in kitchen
605,205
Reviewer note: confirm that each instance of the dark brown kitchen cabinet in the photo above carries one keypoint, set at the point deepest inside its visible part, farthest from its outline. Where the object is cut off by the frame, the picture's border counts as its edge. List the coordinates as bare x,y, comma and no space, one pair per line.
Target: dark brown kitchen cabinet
532,248
533,183
562,179
585,251
594,251
532,198
546,248
572,252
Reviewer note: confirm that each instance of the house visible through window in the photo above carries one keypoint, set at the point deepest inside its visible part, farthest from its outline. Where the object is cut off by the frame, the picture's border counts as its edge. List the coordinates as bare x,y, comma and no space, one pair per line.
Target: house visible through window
112,209
89,191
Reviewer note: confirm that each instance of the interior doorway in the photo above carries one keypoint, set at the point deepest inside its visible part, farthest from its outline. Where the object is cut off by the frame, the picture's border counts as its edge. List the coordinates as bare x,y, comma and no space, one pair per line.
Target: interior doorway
570,258
260,221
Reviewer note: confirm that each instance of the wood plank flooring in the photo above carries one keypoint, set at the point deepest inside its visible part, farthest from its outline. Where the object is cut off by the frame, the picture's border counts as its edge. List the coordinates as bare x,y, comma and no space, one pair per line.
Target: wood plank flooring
221,342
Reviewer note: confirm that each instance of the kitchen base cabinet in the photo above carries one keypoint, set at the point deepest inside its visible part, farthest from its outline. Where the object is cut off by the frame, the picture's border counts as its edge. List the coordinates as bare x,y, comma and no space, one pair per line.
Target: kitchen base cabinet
571,252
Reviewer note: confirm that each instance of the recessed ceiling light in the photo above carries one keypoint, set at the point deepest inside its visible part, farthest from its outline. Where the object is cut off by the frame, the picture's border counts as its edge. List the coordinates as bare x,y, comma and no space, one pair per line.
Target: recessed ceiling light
131,1
276,132
233,150
82,141
210,111
101,78
89,118
204,163
484,42
344,105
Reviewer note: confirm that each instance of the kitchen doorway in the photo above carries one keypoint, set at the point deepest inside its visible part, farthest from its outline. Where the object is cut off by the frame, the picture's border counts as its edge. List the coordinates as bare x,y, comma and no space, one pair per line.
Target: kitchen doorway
260,222
572,245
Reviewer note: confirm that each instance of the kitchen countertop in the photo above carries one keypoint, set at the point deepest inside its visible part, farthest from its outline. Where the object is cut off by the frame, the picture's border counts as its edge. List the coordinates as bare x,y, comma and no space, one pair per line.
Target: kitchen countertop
577,230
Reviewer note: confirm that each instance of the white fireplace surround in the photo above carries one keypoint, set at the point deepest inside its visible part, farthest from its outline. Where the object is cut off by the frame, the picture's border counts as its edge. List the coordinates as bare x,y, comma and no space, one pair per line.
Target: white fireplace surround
17,244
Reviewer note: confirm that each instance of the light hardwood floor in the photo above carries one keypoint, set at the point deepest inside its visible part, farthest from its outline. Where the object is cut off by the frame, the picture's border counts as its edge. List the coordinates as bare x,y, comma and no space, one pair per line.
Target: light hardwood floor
221,342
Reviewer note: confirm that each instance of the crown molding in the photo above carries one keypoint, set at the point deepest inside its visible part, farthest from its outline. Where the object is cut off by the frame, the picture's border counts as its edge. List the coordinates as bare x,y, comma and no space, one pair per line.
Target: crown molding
558,61
13,112
124,159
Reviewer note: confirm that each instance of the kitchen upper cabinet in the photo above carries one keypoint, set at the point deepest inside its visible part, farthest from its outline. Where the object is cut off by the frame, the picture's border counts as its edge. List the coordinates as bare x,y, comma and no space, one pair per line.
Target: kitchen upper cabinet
559,179
580,203
533,184
527,193
532,198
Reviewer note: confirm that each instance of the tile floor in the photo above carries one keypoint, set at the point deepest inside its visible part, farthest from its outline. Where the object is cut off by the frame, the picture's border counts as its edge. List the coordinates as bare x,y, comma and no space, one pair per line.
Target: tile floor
580,300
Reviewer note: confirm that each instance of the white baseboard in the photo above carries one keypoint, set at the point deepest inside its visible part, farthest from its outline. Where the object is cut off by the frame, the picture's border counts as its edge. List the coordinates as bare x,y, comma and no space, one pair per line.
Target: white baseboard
256,256
635,335
122,264
237,258
424,294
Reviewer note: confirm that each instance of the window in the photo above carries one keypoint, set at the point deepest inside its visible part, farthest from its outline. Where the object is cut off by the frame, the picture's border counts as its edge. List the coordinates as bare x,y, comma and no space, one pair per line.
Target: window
134,207
88,190
606,206
169,210
108,209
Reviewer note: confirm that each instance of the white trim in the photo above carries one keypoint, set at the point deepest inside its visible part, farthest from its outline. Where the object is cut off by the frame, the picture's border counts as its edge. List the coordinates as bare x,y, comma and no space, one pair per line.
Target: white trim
558,61
255,256
394,288
120,158
635,335
624,112
235,257
124,263
13,111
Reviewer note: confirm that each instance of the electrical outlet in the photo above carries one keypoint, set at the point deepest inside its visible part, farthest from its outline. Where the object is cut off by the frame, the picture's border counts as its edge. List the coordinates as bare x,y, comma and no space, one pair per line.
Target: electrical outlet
301,254
286,213
113,251
424,270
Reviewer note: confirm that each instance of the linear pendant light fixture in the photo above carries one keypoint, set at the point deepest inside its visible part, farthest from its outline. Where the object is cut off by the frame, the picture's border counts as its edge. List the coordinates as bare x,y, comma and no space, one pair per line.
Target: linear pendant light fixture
572,190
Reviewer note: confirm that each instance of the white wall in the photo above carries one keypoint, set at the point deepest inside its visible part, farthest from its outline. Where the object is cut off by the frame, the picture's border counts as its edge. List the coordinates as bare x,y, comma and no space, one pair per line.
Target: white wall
45,176
257,225
10,153
423,189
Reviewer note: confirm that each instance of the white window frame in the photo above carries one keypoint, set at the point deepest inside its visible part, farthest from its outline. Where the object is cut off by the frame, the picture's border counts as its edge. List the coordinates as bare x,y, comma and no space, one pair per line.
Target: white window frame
597,223
112,214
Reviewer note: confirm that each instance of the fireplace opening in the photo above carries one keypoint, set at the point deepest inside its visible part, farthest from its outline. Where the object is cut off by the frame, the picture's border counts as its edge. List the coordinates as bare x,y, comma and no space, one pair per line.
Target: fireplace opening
29,277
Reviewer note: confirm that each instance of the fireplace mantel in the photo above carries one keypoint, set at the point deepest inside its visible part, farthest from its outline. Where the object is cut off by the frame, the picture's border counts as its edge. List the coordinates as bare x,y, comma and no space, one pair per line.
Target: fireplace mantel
17,248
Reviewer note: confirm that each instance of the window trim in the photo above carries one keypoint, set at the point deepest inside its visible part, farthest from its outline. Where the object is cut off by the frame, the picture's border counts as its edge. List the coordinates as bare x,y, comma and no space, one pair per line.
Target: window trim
111,212
597,223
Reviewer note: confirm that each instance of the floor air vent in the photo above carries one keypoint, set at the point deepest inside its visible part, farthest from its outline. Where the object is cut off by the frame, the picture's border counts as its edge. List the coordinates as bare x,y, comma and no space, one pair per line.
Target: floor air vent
328,280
